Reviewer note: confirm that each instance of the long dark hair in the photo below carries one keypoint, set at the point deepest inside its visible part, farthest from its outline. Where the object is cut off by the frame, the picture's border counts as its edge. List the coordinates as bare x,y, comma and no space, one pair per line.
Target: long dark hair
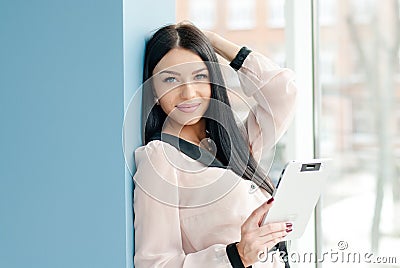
232,147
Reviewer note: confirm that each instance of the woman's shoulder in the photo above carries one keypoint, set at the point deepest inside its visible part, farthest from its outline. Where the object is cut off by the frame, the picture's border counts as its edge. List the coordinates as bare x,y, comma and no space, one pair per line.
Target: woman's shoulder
165,158
154,151
152,146
155,160
155,175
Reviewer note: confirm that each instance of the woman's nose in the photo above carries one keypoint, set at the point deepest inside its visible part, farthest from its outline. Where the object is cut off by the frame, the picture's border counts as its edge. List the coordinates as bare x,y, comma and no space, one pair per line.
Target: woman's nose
188,90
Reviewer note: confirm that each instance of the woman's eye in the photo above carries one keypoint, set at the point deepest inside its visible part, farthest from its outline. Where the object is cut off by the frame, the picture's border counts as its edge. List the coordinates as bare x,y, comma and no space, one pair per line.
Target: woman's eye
201,76
170,79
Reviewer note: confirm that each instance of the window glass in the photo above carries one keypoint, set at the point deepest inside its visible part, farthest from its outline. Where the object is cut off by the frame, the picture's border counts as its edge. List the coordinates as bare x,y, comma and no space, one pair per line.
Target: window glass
276,13
203,13
328,12
362,10
360,108
241,14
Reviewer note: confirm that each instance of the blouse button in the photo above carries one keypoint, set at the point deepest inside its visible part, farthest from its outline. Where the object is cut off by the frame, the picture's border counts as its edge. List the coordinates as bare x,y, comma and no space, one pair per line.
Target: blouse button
253,187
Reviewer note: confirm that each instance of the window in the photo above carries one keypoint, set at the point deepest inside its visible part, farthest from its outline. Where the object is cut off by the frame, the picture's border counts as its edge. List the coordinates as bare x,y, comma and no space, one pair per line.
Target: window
276,13
361,10
327,66
241,14
203,13
358,131
327,9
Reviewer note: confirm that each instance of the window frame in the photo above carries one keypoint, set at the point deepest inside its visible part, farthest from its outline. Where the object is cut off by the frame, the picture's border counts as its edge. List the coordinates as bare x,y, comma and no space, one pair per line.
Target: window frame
303,137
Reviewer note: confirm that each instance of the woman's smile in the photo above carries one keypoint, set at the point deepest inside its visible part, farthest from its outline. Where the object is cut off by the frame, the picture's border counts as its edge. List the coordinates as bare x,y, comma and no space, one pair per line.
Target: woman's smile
188,107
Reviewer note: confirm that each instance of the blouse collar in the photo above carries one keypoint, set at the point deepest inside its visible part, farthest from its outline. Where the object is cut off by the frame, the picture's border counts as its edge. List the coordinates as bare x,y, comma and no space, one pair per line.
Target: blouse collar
193,151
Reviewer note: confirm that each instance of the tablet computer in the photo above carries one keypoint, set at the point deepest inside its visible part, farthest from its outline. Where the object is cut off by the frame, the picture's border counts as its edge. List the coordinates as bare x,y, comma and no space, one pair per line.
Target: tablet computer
297,193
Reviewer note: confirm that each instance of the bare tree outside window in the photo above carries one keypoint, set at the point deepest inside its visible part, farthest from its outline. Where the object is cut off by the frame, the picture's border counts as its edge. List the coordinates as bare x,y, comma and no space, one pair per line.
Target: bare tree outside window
362,204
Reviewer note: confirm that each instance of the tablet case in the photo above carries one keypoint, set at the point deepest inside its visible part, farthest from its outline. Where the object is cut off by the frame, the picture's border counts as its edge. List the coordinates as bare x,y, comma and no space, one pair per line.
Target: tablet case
297,193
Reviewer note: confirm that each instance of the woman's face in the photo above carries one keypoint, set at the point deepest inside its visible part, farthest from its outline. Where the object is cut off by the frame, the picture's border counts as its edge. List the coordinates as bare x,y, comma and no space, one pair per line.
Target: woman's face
182,86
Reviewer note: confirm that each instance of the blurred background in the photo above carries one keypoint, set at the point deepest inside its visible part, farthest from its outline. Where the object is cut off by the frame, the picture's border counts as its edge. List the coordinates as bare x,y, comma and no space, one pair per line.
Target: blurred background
356,107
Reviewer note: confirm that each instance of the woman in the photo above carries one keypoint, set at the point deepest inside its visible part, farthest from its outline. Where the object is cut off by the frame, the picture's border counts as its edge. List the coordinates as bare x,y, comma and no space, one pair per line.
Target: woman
193,202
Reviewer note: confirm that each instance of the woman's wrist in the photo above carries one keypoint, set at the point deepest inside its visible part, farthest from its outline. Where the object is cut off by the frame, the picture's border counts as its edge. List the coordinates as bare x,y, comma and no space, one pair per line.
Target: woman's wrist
236,259
222,46
211,36
241,255
239,59
226,48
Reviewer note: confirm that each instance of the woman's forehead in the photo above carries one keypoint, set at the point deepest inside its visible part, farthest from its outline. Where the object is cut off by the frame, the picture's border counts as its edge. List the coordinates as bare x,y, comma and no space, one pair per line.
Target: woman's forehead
180,60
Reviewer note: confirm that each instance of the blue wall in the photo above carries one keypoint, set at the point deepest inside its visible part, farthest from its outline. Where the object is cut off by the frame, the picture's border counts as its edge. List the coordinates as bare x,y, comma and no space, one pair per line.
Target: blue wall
140,20
64,194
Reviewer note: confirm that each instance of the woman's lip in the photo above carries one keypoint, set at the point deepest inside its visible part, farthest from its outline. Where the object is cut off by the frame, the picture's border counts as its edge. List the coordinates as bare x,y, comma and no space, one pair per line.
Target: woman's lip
188,105
188,108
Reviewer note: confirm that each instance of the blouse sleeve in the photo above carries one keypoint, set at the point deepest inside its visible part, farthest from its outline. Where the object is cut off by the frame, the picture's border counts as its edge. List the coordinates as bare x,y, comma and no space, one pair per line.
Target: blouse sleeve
274,90
158,238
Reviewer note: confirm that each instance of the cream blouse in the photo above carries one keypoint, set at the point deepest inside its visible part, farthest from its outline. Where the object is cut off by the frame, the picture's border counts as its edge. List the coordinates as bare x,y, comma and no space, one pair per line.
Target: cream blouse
186,212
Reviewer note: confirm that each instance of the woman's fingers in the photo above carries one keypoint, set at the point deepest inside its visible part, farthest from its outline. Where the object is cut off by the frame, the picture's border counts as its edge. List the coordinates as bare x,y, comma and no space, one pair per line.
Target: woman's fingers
257,215
251,245
273,233
272,228
255,238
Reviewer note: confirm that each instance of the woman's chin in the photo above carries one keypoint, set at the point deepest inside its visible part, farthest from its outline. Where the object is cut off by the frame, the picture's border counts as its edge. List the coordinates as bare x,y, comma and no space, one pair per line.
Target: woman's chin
192,122
186,121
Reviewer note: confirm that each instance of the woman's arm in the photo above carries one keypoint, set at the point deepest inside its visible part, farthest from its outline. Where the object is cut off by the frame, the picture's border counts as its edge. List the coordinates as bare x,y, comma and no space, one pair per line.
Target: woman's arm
271,86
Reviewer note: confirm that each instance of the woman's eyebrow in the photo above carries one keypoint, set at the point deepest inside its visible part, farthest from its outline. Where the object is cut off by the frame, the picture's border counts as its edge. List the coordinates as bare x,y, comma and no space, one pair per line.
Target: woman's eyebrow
199,70
178,74
170,72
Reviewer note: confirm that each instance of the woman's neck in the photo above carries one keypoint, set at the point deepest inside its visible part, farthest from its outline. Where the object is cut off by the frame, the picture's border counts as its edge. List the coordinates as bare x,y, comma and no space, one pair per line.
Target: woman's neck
192,133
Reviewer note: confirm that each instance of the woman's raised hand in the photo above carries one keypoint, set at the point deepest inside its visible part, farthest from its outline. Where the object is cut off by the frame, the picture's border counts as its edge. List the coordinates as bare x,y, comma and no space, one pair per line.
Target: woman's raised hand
222,46
256,238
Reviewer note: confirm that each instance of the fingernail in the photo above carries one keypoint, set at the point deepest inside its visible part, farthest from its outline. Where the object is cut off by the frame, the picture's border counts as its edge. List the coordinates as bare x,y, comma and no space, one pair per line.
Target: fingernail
270,200
288,224
289,230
